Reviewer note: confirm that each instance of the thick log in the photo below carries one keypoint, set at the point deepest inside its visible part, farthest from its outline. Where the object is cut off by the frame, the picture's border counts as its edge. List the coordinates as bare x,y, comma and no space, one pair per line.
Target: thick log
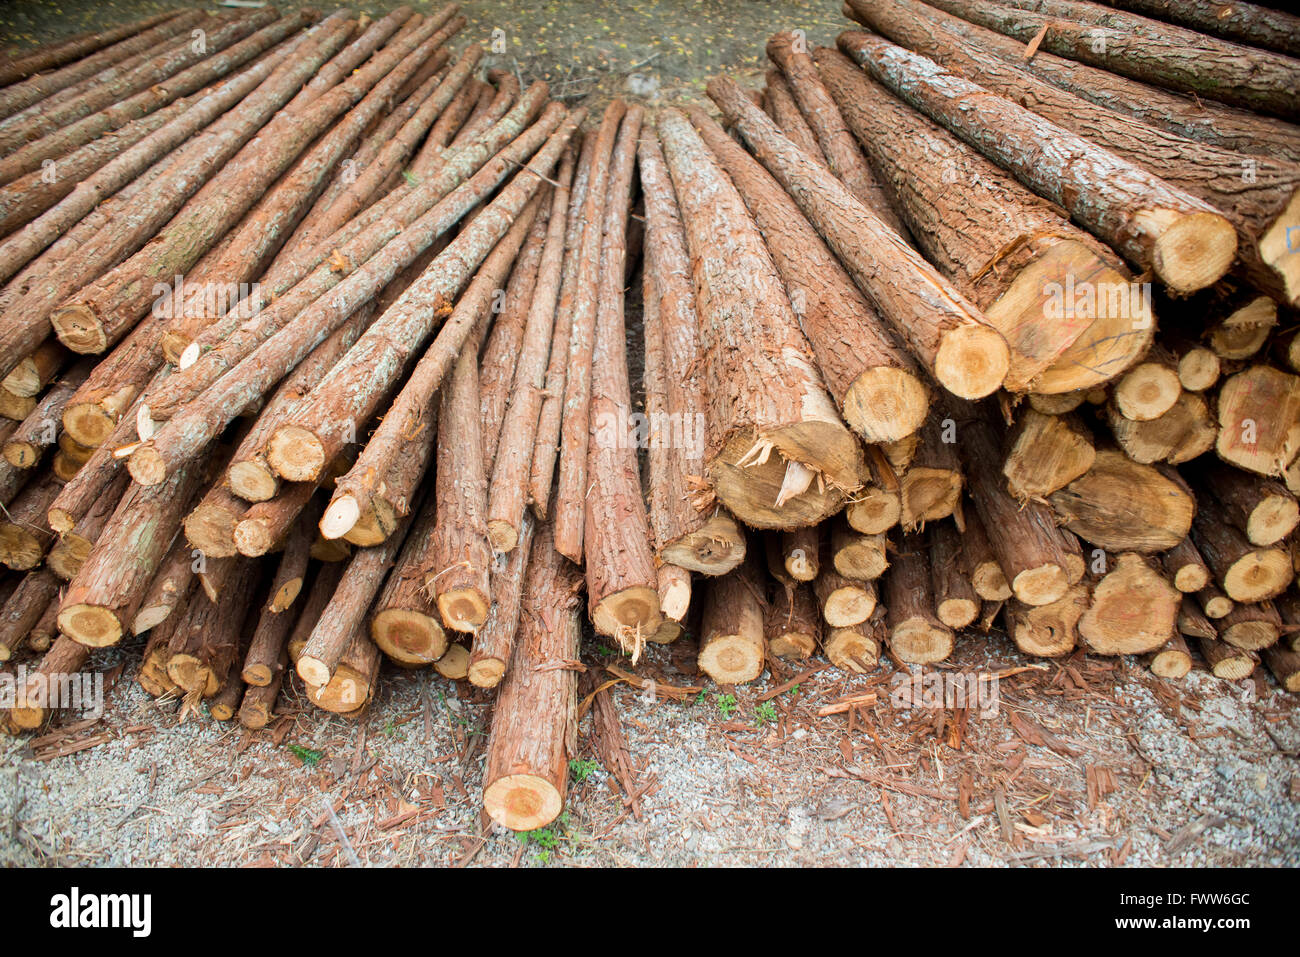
1046,453
1027,291
1047,631
945,332
844,602
843,156
31,375
494,641
1246,573
733,648
1257,413
1245,23
916,635
1121,505
876,384
1186,242
535,722
1134,609
1186,431
1024,538
571,482
764,396
23,609
1162,55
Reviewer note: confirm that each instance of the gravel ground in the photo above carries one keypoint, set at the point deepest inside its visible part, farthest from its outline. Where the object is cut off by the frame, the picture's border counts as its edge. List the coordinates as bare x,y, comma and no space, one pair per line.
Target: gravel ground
1086,762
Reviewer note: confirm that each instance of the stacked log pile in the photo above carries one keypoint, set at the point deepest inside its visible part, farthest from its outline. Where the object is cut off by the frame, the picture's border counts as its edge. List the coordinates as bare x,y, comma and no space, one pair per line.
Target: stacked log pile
320,356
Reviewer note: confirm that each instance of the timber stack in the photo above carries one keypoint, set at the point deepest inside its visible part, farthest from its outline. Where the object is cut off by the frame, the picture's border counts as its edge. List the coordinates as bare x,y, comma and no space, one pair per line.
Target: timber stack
317,355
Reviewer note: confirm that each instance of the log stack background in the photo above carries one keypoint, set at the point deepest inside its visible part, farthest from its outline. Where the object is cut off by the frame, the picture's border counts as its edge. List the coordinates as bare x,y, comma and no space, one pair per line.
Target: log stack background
315,352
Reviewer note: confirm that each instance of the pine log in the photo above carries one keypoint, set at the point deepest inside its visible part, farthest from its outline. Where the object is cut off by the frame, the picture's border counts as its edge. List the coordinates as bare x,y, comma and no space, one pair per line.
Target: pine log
571,481
1258,409
454,664
857,648
1251,627
1023,537
1243,327
535,723
512,458
69,553
1185,567
1193,622
23,609
916,635
701,540
791,621
50,56
768,395
1262,509
800,551
1134,609
494,641
945,333
1047,631
26,445
857,556
204,648
875,383
267,646
843,156
257,708
1214,602
1246,573
733,648
931,487
1046,453
1121,505
1173,660
1186,431
1163,55
32,701
780,104
986,574
1185,241
25,534
1244,23
405,621
1285,665
169,589
1148,390
1227,662
956,602
31,375
1029,297
844,602
352,686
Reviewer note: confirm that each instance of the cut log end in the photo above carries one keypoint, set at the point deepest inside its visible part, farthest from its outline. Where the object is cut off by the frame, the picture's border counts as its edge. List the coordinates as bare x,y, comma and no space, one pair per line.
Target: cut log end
21,455
486,672
340,517
632,610
852,649
408,636
957,612
848,606
675,600
145,424
750,490
253,538
972,361
1272,519
1171,663
1041,585
1194,251
286,595
454,663
89,423
1191,578
1277,248
252,481
715,548
731,659
311,670
79,329
189,356
257,675
885,404
522,802
296,454
1147,392
920,642
146,466
90,625
1198,369
503,535
1257,575
463,609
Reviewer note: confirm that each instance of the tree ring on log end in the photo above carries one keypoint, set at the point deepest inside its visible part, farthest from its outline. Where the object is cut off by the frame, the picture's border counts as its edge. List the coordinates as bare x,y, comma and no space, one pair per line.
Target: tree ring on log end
522,802
885,404
252,481
1041,585
1263,573
408,636
750,491
1194,251
78,328
633,609
972,361
296,454
919,642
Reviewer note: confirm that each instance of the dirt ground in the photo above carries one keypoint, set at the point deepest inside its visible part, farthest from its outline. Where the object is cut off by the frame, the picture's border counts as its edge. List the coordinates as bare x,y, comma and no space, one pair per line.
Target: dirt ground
1087,761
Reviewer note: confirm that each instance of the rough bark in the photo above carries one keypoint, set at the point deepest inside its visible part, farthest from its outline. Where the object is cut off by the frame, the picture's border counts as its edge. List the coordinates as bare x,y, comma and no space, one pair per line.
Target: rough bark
1186,431
27,444
956,602
169,589
535,723
916,635
1121,505
785,112
405,622
1262,509
494,641
204,648
50,56
791,621
1245,572
24,609
945,332
733,648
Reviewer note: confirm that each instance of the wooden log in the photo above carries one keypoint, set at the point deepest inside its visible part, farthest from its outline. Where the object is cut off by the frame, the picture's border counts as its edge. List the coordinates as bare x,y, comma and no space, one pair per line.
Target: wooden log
427,298
1243,324
1030,296
1244,23
1251,627
1262,509
1186,431
1246,573
791,621
931,487
946,334
857,556
335,633
512,458
1193,622
876,384
1214,602
703,540
769,397
956,603
1148,390
1046,453
32,701
454,664
1047,631
571,482
843,156
1185,241
267,646
1285,665
1024,537
1162,55
204,649
1185,567
1257,411
257,707
404,622
25,534
844,602
1227,662
26,445
31,375
1173,660
800,551
986,574
68,554
733,648
23,609
493,646
857,648
535,722
353,685
785,112
1121,505
916,635
1134,609
622,584
49,56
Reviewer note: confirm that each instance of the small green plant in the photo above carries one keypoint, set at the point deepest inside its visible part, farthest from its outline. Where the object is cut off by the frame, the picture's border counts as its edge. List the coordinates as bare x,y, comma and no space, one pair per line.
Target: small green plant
546,839
410,177
726,704
764,713
390,730
307,756
701,697
793,692
582,769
